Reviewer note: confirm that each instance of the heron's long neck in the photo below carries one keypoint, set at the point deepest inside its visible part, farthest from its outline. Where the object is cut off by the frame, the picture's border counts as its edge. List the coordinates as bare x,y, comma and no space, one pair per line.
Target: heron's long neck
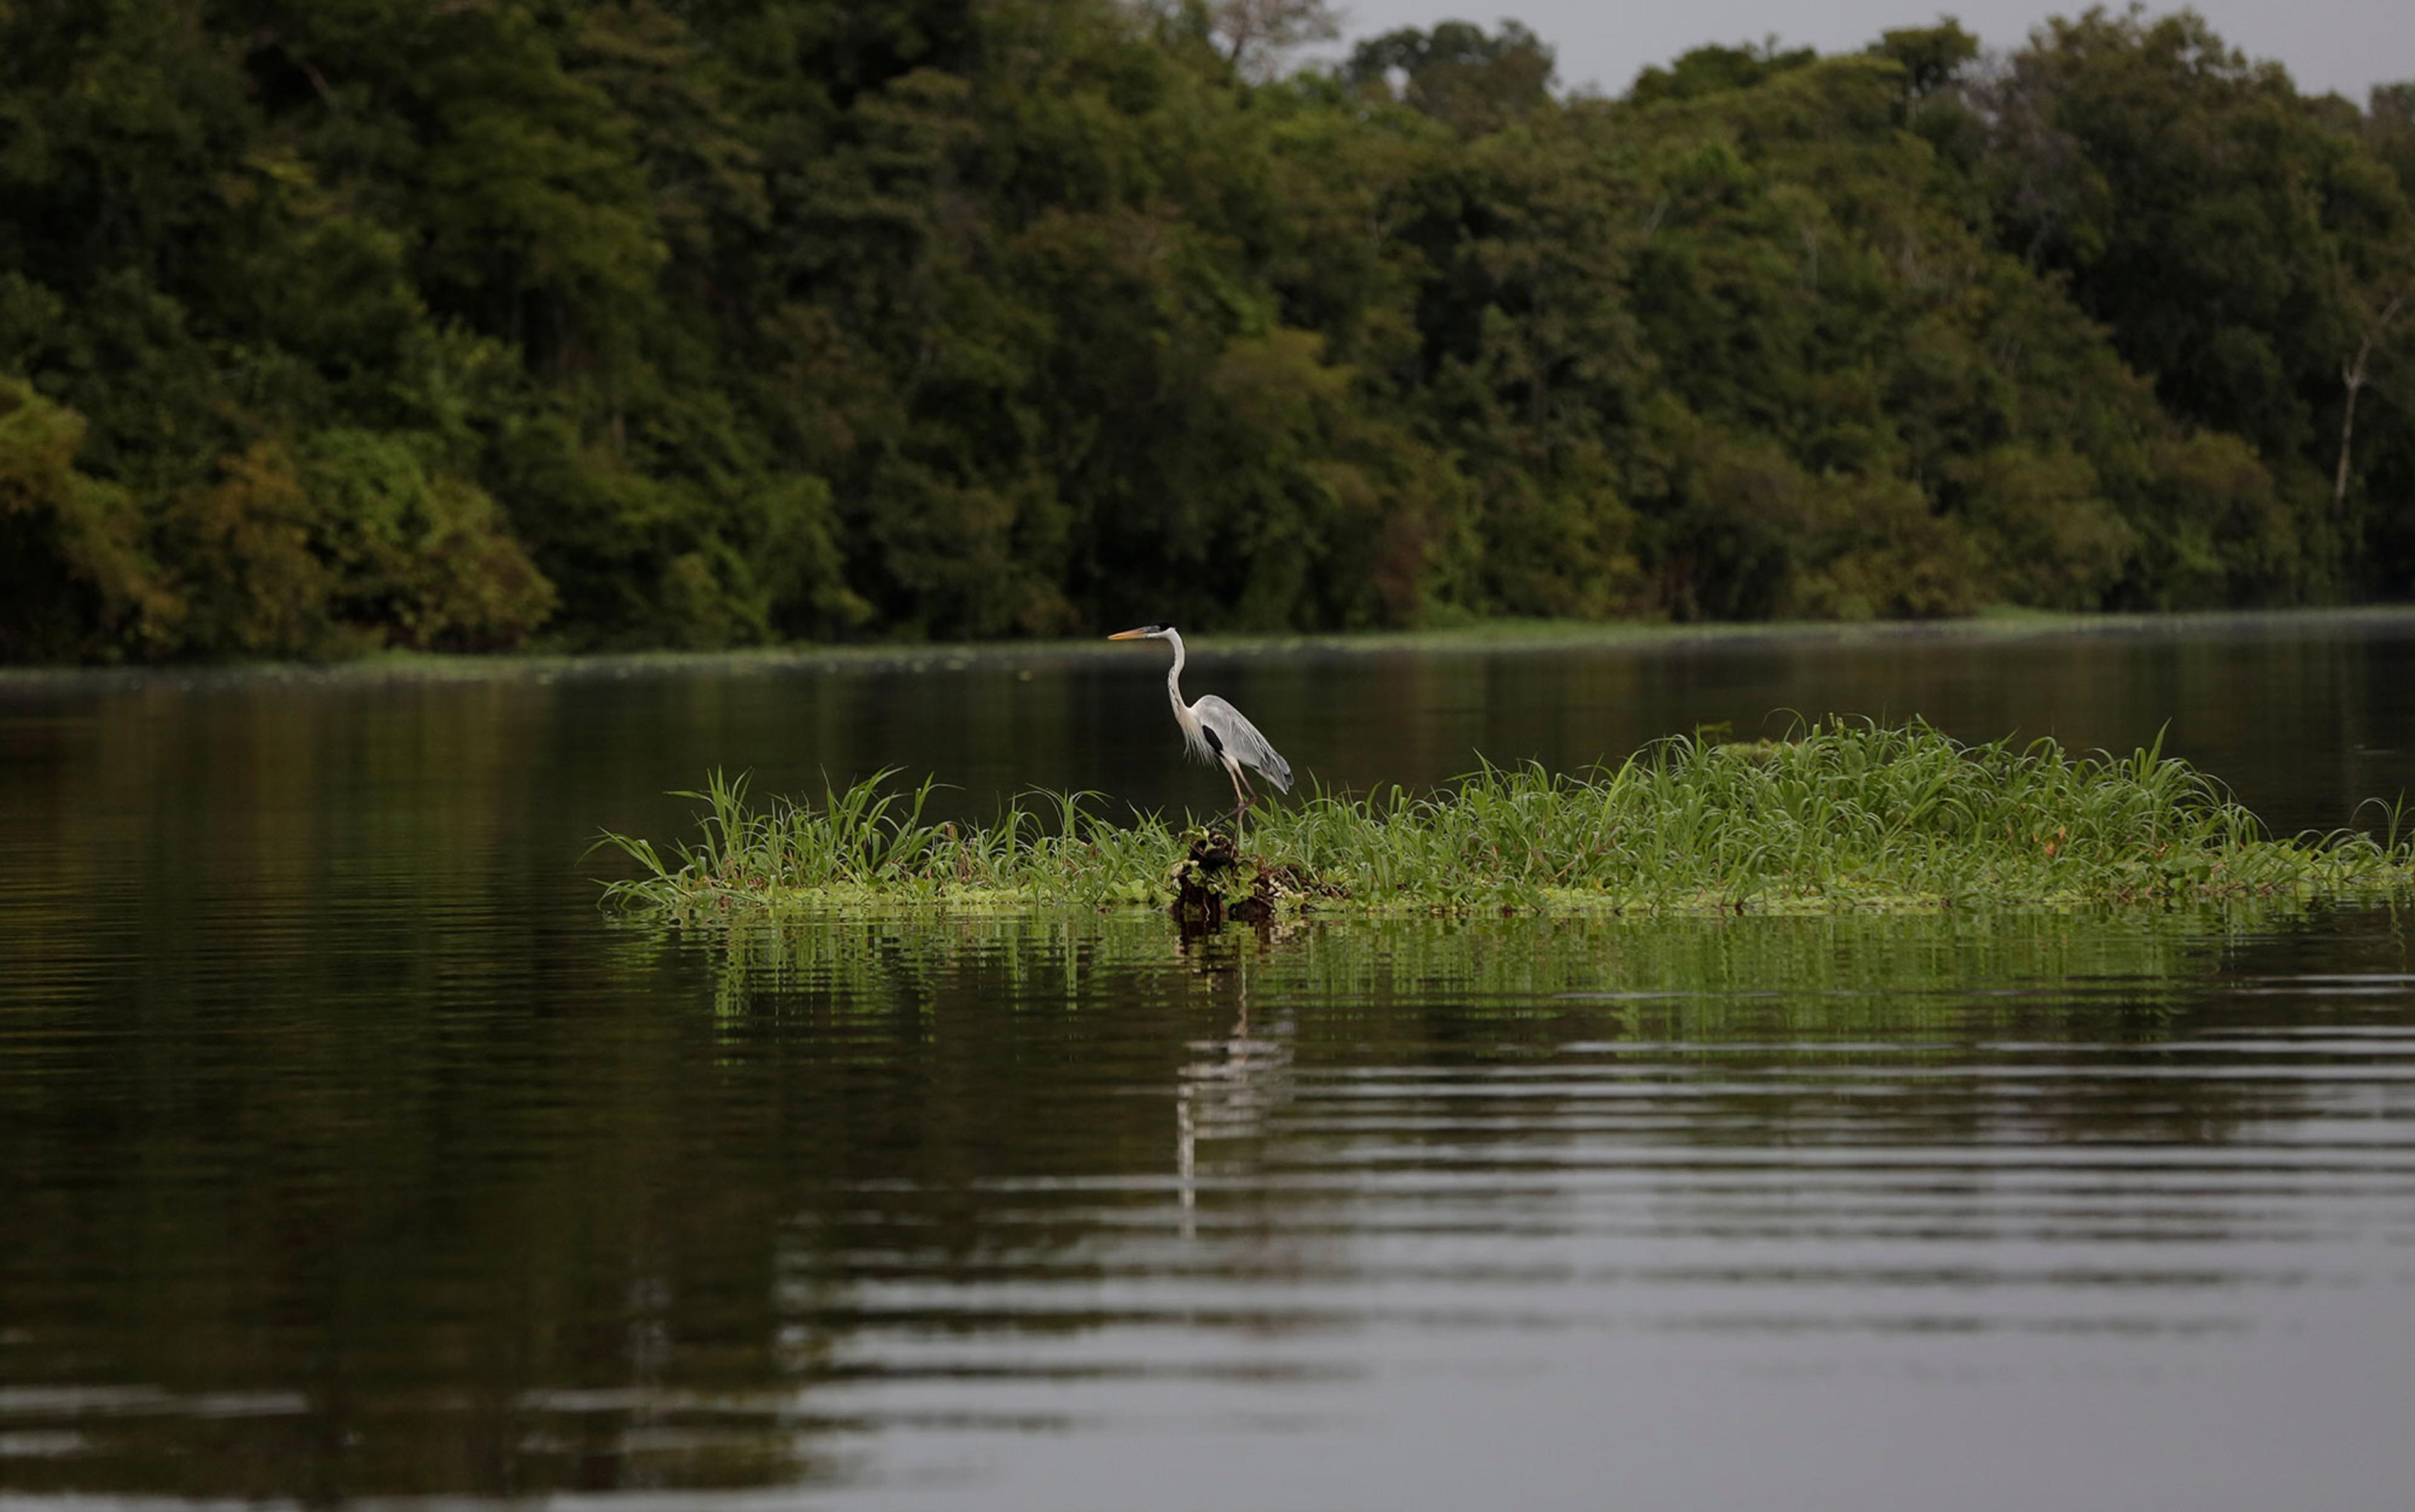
1174,678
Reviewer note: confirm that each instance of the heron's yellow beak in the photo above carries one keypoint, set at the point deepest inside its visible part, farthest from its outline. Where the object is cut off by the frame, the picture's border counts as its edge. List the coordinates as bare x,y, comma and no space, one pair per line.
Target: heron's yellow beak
1128,635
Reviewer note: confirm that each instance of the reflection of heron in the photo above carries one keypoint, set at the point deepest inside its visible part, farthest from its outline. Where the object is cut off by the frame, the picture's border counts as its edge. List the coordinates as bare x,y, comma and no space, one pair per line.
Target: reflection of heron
1214,730
1228,1091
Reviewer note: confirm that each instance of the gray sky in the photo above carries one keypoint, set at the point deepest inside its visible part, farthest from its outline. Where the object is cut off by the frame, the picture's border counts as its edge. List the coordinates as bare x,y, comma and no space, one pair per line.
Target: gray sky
2343,45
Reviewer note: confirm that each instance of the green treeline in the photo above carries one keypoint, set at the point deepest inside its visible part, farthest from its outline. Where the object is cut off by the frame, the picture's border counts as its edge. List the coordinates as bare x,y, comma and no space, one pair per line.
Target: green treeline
334,324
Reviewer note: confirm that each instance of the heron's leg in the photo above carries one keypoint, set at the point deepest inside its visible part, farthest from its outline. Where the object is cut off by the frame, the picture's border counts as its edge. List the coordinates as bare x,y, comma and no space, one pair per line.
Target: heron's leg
1240,799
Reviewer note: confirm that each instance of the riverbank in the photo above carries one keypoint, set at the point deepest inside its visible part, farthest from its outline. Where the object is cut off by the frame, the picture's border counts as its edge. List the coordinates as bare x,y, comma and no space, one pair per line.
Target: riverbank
1485,637
1844,817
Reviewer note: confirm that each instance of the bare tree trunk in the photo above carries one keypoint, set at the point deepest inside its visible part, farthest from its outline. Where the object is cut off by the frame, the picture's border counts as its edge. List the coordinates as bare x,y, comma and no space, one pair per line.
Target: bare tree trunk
2354,376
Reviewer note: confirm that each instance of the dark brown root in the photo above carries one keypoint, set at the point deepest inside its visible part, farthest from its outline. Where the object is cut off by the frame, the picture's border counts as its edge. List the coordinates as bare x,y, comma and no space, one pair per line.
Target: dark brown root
1215,883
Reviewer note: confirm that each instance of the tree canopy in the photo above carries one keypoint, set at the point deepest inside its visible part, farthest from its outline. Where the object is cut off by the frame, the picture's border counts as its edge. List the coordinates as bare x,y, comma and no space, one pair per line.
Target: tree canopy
588,323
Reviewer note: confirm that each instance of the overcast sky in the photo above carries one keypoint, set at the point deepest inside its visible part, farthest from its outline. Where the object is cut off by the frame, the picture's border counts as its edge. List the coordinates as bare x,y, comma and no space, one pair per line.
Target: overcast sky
2343,45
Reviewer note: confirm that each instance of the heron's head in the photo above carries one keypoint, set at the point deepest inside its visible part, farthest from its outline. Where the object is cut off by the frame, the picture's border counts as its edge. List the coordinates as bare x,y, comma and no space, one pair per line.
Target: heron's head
1147,632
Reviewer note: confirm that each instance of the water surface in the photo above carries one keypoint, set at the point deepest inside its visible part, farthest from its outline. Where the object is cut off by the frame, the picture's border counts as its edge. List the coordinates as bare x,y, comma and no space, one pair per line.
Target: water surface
350,1153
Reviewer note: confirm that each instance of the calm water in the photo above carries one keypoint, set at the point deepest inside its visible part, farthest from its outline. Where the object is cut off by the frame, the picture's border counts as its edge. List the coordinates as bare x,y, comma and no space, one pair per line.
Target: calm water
346,1153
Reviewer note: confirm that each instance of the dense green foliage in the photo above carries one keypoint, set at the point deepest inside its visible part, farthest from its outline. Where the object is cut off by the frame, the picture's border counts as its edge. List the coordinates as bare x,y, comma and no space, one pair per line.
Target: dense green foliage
365,323
1847,816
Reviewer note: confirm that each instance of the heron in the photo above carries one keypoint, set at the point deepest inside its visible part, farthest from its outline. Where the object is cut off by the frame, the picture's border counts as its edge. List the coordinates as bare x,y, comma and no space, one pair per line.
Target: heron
1216,732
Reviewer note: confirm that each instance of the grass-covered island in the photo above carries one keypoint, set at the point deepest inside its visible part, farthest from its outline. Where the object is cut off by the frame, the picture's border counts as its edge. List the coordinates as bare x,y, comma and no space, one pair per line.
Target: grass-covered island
1844,816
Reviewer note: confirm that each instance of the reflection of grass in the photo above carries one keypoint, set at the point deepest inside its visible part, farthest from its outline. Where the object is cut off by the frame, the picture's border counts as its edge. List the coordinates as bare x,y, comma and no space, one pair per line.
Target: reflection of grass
1844,816
1355,983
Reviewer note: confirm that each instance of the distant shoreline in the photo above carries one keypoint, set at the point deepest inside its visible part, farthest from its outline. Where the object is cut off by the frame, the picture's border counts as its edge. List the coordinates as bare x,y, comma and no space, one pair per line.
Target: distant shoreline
1480,637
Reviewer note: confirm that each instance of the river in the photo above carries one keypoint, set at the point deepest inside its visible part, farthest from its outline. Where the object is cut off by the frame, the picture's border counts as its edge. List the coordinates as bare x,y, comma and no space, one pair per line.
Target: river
349,1153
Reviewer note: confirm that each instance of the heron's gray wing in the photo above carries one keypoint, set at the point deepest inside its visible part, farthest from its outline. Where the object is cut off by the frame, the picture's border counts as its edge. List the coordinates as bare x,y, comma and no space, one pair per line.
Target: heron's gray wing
1240,737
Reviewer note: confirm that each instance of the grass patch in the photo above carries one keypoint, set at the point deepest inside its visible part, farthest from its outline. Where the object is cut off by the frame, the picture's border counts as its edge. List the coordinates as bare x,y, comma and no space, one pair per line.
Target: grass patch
1847,815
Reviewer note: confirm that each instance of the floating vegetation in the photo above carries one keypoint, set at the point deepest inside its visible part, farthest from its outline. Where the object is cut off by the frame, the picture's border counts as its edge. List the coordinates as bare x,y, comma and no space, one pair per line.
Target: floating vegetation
1846,815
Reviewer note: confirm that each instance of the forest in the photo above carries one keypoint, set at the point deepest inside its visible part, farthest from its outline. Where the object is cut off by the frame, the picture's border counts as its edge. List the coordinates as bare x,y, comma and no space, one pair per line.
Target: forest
332,326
